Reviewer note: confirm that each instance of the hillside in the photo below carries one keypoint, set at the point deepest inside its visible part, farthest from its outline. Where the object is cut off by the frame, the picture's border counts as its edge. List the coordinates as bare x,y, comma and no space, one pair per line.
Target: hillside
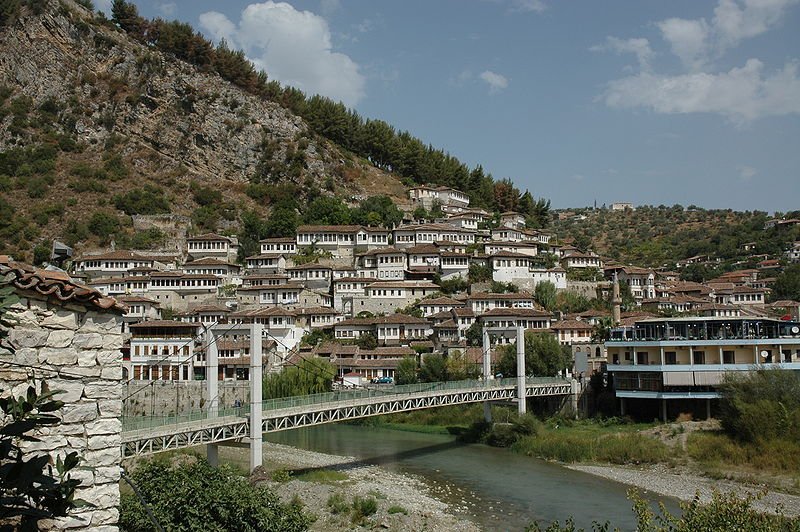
661,236
94,126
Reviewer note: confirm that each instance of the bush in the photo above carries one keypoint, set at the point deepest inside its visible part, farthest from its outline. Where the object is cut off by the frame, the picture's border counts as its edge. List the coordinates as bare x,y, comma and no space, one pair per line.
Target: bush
395,509
338,504
146,200
196,496
761,405
363,507
103,224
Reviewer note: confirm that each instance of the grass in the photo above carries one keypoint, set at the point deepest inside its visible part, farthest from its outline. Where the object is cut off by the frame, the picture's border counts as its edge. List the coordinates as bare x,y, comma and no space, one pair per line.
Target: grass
587,441
363,507
322,476
715,449
397,510
338,504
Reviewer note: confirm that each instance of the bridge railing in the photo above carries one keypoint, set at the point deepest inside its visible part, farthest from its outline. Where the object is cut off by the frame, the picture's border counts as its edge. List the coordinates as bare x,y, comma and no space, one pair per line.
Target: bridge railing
133,423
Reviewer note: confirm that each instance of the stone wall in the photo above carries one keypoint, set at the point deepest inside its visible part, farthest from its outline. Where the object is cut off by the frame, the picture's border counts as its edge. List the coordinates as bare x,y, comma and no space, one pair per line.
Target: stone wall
76,350
171,397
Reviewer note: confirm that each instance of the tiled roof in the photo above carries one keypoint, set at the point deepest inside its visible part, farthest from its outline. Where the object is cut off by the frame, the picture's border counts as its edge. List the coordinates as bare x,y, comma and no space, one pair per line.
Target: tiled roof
56,285
120,254
263,312
308,266
164,324
329,229
384,251
493,295
516,312
277,241
570,325
441,301
403,284
209,261
209,236
423,249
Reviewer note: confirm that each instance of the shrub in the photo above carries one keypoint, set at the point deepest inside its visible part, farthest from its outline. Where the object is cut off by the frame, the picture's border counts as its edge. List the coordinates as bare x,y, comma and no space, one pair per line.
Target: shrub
363,507
338,504
103,224
196,496
281,475
146,200
395,509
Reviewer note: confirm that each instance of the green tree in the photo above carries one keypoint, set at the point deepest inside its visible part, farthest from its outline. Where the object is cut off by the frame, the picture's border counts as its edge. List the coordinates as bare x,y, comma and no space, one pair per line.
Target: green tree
544,356
479,273
308,377
433,369
787,284
195,496
377,210
282,222
103,224
601,331
407,371
327,210
545,295
367,341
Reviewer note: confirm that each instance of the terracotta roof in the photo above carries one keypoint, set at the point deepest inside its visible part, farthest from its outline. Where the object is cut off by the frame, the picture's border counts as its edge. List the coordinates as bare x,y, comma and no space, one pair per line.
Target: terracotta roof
570,325
423,249
449,324
516,312
384,251
493,295
164,324
206,308
403,284
318,310
209,261
308,266
367,280
138,299
290,240
510,254
265,256
120,254
55,284
263,312
329,229
390,351
209,236
441,301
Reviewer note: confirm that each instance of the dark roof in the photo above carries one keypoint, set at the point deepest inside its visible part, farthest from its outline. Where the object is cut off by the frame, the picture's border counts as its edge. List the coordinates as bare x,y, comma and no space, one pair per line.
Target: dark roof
517,312
164,324
209,236
55,284
120,254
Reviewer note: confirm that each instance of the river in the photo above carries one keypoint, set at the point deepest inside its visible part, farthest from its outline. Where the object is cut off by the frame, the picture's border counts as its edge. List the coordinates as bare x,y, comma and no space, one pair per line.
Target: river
496,488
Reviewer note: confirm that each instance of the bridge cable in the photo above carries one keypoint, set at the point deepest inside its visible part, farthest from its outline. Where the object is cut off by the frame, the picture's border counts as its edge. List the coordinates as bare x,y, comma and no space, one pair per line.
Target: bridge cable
146,505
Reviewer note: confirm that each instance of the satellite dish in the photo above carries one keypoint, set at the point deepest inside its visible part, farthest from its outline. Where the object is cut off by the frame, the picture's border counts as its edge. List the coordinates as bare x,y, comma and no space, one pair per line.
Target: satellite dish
795,329
764,354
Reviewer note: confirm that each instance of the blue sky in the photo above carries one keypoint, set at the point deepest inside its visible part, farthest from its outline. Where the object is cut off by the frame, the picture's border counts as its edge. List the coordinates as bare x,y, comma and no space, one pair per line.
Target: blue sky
691,102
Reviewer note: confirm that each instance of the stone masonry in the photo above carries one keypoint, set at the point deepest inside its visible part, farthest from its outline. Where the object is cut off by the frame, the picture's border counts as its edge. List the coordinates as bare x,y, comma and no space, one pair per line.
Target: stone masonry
75,347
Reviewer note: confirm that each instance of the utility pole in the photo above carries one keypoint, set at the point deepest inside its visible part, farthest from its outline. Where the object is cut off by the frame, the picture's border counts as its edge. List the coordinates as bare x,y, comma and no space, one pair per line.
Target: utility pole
487,370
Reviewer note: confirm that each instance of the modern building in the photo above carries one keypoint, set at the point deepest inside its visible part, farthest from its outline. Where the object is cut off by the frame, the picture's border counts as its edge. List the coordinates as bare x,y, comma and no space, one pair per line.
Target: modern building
667,366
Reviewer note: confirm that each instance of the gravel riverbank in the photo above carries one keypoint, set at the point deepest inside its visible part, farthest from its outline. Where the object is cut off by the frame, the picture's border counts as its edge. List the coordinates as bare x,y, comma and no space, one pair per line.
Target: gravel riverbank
683,485
423,511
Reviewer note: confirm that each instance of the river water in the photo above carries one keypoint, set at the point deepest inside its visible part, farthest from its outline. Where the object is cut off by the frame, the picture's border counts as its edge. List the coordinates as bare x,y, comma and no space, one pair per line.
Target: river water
496,488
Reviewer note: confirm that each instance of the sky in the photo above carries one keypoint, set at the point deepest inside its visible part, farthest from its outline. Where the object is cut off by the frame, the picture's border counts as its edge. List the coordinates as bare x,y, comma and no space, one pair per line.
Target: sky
580,101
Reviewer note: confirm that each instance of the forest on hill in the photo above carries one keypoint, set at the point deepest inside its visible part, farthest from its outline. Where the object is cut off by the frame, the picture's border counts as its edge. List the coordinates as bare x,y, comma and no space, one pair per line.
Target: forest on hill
662,236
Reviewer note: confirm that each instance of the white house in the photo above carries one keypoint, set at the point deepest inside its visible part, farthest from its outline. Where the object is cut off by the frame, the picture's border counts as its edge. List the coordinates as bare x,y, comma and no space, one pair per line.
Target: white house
387,263
163,350
267,263
279,246
427,196
212,245
341,240
485,301
116,263
417,234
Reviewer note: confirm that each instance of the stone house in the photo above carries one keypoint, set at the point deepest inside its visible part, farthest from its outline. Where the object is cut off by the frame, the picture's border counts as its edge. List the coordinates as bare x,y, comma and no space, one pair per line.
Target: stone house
71,336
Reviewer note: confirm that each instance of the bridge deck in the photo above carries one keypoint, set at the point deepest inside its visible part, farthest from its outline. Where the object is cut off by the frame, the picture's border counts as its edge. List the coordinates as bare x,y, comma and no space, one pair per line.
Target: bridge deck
145,435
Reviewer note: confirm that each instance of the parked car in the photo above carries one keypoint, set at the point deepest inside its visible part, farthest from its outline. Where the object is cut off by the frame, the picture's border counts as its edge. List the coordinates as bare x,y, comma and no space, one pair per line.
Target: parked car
385,380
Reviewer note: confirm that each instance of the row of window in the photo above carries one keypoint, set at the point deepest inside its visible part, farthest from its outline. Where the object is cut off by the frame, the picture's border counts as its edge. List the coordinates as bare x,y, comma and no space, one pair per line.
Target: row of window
208,245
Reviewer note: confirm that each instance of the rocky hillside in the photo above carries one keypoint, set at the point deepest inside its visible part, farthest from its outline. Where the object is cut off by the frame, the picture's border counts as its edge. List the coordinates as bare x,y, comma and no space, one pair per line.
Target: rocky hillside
95,127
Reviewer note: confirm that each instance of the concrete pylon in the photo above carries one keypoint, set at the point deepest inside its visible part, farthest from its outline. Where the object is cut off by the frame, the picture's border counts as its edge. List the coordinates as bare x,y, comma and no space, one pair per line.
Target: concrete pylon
616,303
487,370
521,406
212,387
256,392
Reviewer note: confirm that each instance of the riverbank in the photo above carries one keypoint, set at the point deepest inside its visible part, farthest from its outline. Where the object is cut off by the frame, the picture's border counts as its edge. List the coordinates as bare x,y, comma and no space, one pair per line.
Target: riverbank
683,484
326,485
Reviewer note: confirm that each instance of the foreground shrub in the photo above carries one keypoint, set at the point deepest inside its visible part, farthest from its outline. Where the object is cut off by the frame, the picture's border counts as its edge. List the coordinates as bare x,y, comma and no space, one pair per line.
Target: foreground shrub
629,448
761,405
725,512
196,496
779,455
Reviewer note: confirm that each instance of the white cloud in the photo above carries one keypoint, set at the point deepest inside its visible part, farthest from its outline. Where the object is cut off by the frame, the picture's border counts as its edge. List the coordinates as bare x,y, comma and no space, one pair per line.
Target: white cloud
746,173
639,47
688,40
736,20
741,94
695,41
293,47
496,82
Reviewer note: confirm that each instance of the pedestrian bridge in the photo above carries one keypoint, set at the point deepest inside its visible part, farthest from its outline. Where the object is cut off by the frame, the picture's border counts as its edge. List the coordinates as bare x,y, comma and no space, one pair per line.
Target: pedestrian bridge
152,434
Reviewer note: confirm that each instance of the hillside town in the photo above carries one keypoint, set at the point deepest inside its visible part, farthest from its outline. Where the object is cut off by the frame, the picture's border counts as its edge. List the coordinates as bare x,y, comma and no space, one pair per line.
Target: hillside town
364,298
